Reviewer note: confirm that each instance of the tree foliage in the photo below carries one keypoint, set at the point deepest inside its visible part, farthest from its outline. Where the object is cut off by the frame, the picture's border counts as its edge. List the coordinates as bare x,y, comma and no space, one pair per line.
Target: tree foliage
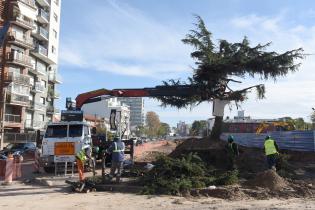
217,64
198,127
153,123
164,129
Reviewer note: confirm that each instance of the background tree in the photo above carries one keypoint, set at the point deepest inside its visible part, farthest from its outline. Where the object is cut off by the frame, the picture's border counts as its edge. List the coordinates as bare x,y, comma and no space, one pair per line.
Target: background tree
153,123
164,130
198,127
218,65
140,131
313,119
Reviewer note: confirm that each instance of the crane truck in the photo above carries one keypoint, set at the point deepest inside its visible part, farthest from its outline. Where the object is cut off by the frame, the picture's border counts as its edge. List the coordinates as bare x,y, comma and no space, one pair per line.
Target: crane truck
62,140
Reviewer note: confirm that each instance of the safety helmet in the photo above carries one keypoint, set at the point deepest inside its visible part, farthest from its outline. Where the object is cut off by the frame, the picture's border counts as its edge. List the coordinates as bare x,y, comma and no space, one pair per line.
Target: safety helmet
230,138
267,137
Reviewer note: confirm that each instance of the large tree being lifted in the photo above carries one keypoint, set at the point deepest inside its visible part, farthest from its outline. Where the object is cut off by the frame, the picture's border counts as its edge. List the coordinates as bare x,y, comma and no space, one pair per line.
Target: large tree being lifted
218,65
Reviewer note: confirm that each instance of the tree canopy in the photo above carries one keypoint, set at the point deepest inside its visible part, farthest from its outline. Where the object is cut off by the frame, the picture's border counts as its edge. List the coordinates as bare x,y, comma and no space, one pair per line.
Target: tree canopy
218,64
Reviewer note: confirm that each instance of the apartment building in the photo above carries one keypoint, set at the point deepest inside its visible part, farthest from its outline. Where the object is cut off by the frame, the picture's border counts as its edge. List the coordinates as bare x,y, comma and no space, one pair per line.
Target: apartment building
29,74
136,106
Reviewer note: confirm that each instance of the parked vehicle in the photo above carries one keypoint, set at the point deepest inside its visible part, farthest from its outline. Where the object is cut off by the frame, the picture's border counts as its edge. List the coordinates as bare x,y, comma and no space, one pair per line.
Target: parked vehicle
27,150
63,140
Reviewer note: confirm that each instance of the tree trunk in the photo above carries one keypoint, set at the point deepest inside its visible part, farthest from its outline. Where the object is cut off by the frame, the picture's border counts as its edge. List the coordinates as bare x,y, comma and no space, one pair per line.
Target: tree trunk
217,128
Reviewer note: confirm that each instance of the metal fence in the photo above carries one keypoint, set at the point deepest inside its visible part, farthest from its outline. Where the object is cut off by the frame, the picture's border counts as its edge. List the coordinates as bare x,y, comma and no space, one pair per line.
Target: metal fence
19,137
290,140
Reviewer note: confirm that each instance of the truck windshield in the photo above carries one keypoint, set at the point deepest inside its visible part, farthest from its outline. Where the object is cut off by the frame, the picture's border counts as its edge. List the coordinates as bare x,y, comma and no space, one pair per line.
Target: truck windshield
56,131
75,130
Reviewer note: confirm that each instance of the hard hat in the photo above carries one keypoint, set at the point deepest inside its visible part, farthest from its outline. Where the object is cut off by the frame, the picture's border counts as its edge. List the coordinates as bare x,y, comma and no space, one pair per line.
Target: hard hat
230,138
267,137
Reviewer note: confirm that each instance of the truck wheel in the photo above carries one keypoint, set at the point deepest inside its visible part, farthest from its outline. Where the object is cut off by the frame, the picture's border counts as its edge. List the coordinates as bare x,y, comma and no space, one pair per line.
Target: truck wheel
49,169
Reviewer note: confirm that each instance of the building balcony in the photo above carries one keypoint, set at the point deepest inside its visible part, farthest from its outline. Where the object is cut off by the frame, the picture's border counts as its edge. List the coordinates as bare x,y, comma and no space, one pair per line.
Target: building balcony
17,78
41,52
43,16
34,124
19,59
52,110
16,99
30,3
39,107
37,71
24,22
20,40
38,88
52,93
40,33
54,77
44,3
12,120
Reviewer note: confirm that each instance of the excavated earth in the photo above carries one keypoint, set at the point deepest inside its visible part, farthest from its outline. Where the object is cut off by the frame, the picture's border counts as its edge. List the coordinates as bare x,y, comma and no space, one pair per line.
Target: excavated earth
297,172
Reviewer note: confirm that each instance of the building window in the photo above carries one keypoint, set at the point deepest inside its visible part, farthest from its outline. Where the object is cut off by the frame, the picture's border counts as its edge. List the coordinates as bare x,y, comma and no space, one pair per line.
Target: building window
57,2
42,117
55,33
42,100
56,17
53,50
43,83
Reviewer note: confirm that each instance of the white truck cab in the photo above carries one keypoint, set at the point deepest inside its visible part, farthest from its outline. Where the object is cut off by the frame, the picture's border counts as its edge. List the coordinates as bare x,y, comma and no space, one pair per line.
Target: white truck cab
62,141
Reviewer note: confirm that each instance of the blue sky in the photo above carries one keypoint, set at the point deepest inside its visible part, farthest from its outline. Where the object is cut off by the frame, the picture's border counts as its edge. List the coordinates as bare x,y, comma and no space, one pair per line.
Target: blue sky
134,44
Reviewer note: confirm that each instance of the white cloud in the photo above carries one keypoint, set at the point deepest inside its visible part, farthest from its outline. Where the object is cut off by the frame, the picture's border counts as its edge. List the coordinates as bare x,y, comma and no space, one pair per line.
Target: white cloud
122,40
292,95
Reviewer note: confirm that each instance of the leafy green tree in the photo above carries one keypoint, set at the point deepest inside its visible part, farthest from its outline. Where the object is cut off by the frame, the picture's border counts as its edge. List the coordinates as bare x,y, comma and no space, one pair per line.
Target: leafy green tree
198,127
153,123
140,131
164,129
219,65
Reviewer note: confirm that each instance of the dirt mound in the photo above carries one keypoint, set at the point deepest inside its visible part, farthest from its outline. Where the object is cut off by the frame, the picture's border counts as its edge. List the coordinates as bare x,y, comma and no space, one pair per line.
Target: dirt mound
230,193
148,156
213,152
268,179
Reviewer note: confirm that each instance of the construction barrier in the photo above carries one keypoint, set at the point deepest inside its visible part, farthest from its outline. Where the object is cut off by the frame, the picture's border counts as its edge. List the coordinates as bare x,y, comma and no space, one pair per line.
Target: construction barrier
289,140
2,168
9,167
17,170
36,161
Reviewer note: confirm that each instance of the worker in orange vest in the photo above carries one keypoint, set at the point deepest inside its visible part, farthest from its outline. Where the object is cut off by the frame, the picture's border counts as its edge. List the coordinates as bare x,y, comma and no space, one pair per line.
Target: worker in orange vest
83,155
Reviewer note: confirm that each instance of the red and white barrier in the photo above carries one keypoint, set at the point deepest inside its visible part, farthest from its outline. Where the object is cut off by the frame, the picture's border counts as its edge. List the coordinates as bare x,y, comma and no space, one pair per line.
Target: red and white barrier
36,162
9,170
17,172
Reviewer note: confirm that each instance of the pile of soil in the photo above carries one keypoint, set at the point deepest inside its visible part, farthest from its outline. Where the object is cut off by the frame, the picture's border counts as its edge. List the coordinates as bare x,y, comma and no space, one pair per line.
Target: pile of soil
148,156
213,152
268,179
229,192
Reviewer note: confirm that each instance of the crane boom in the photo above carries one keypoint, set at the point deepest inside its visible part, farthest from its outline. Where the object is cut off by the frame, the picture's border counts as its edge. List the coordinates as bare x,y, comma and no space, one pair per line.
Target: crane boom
179,90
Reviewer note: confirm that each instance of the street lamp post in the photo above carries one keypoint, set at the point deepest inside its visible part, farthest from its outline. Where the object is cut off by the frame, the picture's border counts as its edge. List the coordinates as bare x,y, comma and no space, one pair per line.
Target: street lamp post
3,117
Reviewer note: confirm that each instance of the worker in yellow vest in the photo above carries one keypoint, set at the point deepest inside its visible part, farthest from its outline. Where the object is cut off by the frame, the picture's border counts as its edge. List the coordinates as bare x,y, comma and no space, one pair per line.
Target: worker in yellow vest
271,151
81,157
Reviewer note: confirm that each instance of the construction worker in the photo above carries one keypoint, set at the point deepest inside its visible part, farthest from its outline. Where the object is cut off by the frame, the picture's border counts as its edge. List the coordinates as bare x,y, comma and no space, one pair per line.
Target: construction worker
232,152
81,157
271,151
117,149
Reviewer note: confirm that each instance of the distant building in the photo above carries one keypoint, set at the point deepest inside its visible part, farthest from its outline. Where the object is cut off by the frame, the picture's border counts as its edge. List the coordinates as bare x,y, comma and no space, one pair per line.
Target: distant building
103,109
97,121
244,124
136,106
182,129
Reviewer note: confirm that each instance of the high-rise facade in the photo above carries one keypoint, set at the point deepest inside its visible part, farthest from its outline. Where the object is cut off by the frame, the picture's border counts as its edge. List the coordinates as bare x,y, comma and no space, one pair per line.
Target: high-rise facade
136,105
29,57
